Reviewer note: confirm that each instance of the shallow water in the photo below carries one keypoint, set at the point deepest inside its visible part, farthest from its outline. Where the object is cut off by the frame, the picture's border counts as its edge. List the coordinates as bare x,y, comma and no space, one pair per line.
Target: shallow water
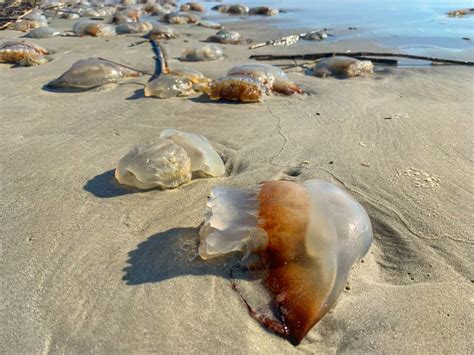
415,26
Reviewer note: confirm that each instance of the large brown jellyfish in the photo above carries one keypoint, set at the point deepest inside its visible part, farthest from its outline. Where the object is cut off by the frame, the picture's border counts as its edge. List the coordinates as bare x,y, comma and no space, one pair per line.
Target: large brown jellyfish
307,235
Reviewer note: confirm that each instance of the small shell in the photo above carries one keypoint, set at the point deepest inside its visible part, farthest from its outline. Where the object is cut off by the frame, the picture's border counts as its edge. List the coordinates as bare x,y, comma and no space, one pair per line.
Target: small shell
166,86
308,235
237,87
205,53
90,73
162,164
226,37
204,159
22,53
344,67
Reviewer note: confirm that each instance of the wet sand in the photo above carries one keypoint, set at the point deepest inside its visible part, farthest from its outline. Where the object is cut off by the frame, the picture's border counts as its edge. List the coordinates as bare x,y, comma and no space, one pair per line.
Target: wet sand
88,266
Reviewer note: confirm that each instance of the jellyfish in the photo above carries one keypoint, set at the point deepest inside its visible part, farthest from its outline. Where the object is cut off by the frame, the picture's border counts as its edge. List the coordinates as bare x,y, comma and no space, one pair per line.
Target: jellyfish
249,82
22,53
163,164
91,73
172,160
207,52
264,10
205,162
169,85
344,67
226,37
43,32
93,28
306,235
192,6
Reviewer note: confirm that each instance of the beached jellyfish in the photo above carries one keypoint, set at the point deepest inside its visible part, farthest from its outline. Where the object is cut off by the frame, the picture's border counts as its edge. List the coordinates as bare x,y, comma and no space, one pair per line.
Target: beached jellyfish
166,86
69,15
93,28
307,236
132,13
272,77
27,25
226,37
159,32
238,9
210,24
205,162
91,73
207,52
249,82
43,32
22,53
163,164
200,82
342,67
192,6
264,10
242,88
461,12
222,8
134,27
181,18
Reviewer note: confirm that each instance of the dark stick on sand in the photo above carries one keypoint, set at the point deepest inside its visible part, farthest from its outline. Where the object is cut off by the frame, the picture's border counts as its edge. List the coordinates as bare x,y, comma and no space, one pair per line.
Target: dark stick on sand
315,56
160,63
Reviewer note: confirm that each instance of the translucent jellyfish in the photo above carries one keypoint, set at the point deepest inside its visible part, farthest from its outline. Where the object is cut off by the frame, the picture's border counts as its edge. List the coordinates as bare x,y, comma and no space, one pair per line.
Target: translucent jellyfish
242,88
200,82
207,52
162,32
22,53
93,28
27,25
264,10
238,9
90,73
249,82
210,24
461,12
43,32
226,37
134,27
166,86
192,6
162,164
205,162
222,8
181,18
272,77
343,67
307,237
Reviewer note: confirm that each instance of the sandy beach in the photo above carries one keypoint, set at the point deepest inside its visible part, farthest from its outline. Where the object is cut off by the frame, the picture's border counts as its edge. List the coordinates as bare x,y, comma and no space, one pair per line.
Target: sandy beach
88,266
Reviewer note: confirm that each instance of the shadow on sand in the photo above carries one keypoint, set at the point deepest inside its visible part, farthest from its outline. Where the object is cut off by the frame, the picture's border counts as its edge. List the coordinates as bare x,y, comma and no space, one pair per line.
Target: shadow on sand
171,254
105,186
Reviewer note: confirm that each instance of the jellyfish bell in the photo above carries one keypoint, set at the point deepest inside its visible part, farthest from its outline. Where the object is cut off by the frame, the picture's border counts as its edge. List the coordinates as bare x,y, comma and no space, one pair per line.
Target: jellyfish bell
308,235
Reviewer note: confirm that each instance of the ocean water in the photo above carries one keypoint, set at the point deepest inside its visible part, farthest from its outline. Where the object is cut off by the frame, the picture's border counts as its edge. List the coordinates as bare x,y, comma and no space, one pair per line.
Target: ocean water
416,26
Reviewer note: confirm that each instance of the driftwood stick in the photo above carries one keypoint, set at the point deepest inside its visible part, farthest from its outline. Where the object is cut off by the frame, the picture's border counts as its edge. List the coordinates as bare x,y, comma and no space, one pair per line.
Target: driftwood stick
128,67
315,56
5,25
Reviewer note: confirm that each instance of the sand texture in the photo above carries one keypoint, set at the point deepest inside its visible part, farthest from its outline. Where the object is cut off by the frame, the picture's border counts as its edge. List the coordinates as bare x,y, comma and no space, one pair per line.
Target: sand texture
90,267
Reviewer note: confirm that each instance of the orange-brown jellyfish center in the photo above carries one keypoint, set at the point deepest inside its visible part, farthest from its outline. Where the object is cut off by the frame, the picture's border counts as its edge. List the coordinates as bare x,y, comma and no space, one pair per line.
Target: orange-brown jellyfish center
314,232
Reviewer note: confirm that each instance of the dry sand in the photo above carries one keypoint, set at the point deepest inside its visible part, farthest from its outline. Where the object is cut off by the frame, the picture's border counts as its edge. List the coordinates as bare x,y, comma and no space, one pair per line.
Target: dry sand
87,266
